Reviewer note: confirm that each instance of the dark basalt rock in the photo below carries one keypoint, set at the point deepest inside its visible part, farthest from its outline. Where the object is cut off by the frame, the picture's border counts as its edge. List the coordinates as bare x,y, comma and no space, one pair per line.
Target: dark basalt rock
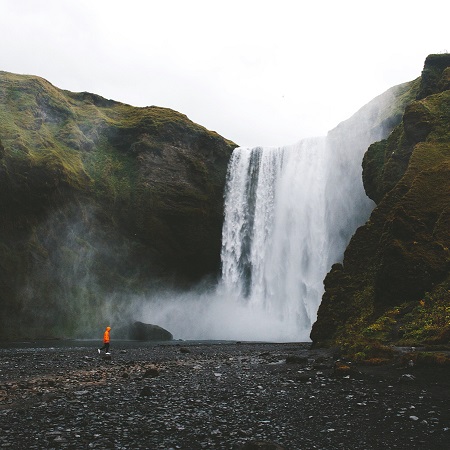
147,332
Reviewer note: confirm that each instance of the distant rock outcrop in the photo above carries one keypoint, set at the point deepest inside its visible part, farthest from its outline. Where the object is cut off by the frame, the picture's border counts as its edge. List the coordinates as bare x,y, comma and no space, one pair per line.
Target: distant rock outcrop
394,284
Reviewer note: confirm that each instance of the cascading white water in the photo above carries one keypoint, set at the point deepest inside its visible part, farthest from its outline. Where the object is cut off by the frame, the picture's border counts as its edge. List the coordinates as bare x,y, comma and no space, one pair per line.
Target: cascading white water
275,234
285,226
289,215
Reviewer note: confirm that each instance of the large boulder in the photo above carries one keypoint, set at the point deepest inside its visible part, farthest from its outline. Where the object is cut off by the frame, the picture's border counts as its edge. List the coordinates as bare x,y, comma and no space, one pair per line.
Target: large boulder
140,331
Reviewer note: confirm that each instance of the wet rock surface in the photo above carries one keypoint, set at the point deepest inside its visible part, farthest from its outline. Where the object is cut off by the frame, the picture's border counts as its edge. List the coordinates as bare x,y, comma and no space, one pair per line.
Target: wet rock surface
215,396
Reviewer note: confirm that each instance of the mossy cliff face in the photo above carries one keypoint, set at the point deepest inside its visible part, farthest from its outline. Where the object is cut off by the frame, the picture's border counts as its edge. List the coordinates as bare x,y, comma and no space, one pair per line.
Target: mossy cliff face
394,283
104,193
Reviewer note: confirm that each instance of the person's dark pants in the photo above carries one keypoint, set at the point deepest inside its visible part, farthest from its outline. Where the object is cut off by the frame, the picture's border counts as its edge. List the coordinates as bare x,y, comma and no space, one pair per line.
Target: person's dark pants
105,347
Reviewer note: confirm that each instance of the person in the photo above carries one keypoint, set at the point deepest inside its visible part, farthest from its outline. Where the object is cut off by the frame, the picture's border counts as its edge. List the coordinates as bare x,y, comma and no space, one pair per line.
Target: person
106,340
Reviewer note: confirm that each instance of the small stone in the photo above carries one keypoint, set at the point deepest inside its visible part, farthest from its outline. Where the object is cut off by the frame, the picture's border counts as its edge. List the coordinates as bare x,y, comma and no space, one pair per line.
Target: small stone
80,393
294,359
146,391
407,378
151,372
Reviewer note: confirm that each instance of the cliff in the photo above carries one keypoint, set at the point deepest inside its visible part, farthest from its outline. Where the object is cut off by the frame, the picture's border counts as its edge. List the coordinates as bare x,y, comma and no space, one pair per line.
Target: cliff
393,286
97,197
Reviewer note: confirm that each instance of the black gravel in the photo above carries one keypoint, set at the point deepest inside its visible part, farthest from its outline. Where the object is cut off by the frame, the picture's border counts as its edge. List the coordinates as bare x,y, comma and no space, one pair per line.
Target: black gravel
193,395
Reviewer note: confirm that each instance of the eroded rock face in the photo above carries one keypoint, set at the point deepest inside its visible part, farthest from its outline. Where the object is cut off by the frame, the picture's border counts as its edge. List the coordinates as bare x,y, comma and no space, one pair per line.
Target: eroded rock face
396,268
417,123
435,75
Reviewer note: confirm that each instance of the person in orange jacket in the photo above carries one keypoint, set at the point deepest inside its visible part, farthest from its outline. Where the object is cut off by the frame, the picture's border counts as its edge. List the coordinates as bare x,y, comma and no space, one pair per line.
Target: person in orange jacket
106,340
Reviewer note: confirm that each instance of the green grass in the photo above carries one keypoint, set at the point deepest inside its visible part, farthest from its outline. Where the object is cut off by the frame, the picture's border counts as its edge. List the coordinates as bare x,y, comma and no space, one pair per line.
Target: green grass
113,173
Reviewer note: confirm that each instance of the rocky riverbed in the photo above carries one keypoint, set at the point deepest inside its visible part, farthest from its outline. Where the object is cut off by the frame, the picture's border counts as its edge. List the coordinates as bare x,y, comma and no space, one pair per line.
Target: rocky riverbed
198,395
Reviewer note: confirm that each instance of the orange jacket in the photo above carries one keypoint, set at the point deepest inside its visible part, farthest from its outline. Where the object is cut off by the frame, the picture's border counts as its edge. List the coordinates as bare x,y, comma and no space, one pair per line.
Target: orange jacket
106,335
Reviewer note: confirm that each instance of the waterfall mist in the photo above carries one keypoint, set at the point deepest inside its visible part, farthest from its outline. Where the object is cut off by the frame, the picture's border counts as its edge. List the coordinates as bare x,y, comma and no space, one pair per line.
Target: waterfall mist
79,278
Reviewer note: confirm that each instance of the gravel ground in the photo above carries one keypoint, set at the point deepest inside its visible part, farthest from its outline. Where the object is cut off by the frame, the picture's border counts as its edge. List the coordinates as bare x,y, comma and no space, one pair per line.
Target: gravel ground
199,395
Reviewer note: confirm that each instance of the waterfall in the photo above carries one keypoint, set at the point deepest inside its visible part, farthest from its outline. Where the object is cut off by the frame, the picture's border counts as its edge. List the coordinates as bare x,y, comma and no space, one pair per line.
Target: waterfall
289,215
290,212
275,233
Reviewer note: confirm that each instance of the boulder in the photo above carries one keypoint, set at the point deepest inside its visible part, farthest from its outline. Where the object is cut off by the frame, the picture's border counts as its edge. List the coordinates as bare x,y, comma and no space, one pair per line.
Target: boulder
140,331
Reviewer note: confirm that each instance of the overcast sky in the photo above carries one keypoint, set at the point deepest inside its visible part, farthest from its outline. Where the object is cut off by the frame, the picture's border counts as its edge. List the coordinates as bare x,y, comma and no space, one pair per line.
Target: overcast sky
257,72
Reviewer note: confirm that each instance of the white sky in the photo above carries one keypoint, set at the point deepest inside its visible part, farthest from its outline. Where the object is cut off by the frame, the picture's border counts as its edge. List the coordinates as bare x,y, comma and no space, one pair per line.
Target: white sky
257,72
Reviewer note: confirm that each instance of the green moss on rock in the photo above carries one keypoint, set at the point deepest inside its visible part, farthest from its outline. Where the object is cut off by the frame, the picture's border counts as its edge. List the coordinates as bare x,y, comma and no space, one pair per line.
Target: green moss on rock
393,285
